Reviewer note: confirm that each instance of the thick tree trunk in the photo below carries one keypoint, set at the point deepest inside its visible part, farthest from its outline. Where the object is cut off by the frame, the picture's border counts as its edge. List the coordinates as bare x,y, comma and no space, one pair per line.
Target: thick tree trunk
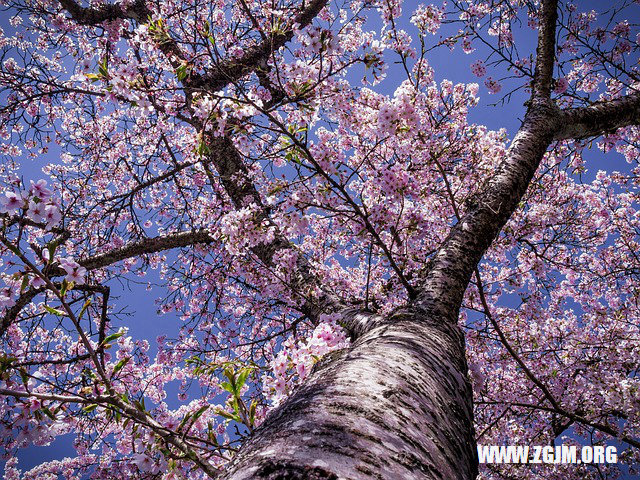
395,405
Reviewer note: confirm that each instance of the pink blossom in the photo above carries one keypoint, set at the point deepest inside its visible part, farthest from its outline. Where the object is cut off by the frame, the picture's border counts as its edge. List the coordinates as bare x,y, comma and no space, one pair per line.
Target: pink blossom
145,463
427,18
10,65
478,68
492,85
75,272
40,190
52,215
36,211
467,46
387,117
303,369
280,386
11,202
6,298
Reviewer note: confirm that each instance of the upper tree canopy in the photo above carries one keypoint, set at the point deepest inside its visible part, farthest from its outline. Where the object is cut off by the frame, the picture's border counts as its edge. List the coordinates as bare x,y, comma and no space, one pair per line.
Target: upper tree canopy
278,166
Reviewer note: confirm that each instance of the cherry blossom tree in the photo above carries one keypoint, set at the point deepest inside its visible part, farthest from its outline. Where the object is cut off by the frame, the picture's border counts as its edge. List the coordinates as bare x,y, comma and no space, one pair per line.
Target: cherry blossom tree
367,283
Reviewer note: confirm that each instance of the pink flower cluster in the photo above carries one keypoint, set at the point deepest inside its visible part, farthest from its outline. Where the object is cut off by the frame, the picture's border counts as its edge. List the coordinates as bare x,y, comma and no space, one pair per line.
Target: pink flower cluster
492,85
478,68
387,119
75,272
427,18
37,202
294,362
242,229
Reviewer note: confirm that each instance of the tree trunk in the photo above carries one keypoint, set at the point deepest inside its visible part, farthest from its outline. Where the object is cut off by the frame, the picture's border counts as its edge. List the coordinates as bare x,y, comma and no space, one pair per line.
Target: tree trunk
395,405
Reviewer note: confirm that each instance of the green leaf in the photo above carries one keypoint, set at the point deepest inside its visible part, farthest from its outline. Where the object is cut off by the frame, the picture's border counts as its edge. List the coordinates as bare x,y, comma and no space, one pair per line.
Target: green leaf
112,337
194,359
52,251
235,404
231,375
252,413
242,378
120,364
202,149
227,415
184,421
84,308
228,387
5,362
24,376
103,68
66,286
199,413
48,413
25,283
182,71
211,435
140,404
90,408
54,311
93,77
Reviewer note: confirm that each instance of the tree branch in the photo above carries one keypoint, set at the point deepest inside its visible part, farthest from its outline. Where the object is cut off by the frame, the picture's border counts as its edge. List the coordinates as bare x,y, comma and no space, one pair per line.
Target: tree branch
599,118
50,396
490,208
545,52
487,212
225,71
146,246
236,181
137,11
231,70
12,313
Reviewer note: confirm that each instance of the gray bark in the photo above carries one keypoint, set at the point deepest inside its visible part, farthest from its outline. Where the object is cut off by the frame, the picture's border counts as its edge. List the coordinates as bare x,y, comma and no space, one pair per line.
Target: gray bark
395,405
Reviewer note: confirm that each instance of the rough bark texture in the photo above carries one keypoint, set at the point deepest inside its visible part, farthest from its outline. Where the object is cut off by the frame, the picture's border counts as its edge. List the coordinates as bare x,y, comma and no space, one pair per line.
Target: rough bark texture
599,118
396,405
